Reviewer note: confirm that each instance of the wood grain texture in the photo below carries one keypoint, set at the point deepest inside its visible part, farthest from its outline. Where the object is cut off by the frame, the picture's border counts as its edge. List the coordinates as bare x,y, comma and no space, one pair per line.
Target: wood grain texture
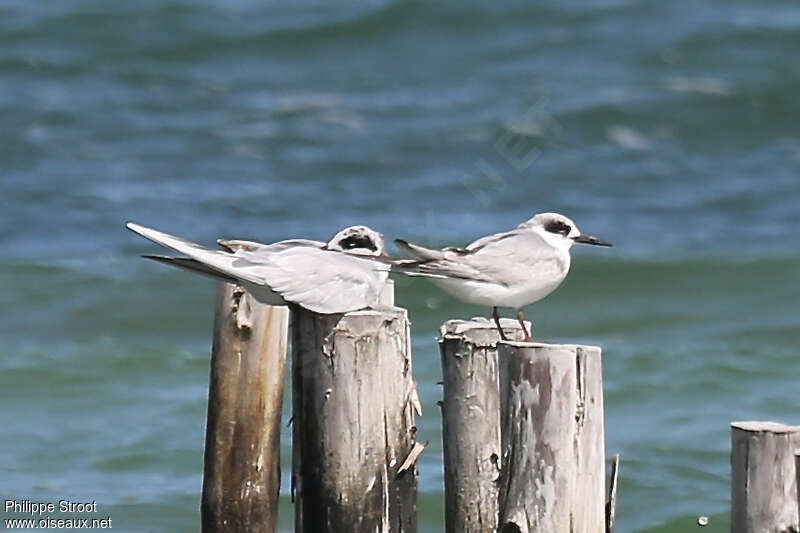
241,476
353,425
471,422
553,451
797,474
763,477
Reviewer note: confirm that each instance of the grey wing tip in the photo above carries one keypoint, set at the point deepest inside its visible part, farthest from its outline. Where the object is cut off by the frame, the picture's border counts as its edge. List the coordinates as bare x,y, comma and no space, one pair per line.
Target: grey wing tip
166,259
193,265
404,245
225,243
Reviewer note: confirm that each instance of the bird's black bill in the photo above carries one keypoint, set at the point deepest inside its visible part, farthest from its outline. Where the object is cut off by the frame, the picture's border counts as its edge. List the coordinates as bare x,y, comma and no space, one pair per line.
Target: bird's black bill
588,239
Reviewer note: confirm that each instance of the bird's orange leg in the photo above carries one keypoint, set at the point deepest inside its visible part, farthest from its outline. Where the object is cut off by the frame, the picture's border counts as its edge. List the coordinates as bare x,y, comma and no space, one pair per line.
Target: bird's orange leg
521,318
496,317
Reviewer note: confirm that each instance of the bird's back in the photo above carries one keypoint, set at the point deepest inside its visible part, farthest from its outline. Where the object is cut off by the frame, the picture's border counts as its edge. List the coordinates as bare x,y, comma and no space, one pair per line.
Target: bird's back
511,269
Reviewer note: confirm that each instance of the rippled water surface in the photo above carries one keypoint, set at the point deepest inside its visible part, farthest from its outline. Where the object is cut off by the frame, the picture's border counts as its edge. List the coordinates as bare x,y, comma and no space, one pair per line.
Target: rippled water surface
670,129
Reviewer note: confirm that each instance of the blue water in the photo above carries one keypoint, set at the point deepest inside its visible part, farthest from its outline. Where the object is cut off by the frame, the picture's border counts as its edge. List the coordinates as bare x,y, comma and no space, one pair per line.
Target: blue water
670,129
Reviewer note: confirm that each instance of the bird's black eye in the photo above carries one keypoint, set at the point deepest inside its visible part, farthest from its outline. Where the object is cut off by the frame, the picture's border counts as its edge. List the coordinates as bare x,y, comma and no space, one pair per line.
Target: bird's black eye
357,241
557,226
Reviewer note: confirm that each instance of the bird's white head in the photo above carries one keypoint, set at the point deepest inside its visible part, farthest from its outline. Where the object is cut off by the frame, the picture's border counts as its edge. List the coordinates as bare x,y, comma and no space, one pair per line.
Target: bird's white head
560,231
358,240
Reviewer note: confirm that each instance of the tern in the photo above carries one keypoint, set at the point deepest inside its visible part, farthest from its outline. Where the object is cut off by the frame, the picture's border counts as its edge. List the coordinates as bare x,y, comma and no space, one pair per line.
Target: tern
510,269
345,274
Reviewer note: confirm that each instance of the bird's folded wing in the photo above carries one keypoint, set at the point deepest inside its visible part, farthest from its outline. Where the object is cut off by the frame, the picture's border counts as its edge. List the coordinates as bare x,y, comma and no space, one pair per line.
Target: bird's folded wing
233,245
490,240
514,257
217,260
505,259
449,269
191,264
300,271
419,252
320,280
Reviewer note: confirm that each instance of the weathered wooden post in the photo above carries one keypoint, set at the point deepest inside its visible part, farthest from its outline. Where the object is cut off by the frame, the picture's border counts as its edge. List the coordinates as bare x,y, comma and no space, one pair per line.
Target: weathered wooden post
797,481
763,477
471,422
553,450
354,399
241,475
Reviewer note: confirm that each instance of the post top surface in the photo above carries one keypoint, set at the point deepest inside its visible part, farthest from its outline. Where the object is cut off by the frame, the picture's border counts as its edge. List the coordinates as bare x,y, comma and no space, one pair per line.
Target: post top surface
760,425
551,346
378,310
483,331
459,326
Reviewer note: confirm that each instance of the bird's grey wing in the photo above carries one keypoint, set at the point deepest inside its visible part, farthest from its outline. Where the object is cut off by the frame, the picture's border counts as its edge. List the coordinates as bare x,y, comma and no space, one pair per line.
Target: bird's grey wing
300,271
447,268
490,239
190,264
419,252
218,261
233,245
514,257
504,259
321,280
448,264
431,263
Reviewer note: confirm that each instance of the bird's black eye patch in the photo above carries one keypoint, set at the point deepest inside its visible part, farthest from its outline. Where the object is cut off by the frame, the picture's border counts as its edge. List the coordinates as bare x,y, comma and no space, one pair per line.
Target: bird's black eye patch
357,241
557,226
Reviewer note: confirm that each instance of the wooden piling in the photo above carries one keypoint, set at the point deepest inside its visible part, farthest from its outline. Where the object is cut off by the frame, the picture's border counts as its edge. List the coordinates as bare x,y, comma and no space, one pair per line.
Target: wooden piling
241,475
553,451
797,474
471,422
763,477
353,425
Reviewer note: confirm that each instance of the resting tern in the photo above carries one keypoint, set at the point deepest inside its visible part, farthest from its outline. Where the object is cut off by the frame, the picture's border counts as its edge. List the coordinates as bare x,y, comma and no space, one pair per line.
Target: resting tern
510,269
345,274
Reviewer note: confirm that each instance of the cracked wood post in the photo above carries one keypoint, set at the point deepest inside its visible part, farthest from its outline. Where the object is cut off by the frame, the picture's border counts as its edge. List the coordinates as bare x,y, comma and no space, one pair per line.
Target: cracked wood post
763,477
553,450
353,426
241,474
471,422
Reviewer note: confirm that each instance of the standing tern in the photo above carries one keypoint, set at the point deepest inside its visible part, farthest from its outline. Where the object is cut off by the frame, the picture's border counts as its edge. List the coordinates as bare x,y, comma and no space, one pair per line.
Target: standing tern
510,269
345,274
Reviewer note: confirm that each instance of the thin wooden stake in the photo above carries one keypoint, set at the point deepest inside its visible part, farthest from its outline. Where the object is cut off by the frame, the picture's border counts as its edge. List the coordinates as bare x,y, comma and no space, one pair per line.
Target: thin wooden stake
611,504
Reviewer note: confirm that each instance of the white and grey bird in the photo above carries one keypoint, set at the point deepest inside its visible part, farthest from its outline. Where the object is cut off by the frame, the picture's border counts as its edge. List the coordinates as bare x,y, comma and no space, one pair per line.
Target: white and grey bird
510,269
345,274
